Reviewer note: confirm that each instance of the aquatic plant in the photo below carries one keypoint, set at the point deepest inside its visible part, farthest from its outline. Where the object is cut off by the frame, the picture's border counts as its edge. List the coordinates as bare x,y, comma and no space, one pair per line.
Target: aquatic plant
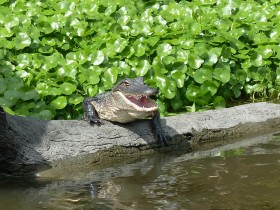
199,54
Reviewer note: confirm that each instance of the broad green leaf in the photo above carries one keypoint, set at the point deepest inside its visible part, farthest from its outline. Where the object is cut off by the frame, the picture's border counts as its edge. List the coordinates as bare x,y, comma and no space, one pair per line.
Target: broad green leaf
45,90
274,34
203,74
76,99
222,72
6,32
158,66
120,44
255,88
7,109
139,50
237,33
22,74
123,20
201,50
124,68
7,69
28,95
92,74
3,54
171,84
256,59
160,20
226,52
152,41
211,86
167,86
168,93
46,115
266,52
160,81
219,102
183,55
227,10
164,49
68,71
195,28
177,103
67,88
109,10
222,25
236,91
111,75
4,102
12,94
142,68
82,57
3,86
22,40
40,106
211,59
195,61
162,107
97,58
59,103
261,38
22,112
241,75
206,2
179,77
92,90
277,76
72,56
198,95
167,60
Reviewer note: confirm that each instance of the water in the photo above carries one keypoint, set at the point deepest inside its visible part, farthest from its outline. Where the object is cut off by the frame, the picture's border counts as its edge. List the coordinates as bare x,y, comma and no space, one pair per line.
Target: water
238,176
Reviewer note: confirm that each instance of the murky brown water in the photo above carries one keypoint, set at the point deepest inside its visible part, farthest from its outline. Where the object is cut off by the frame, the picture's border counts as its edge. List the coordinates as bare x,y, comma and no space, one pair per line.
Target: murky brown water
240,178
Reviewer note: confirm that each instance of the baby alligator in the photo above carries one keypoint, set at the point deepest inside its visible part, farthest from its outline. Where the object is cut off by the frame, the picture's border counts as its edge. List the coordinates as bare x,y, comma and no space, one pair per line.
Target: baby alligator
128,101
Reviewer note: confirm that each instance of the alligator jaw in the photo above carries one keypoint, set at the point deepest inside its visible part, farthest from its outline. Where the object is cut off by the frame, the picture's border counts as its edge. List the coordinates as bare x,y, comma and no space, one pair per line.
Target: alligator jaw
141,103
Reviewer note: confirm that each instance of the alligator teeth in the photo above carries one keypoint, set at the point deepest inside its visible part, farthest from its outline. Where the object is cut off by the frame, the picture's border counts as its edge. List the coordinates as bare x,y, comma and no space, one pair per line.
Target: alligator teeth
137,97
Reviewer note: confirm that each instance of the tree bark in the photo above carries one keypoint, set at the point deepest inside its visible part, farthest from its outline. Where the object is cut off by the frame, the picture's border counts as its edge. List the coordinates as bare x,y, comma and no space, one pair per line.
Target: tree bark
27,145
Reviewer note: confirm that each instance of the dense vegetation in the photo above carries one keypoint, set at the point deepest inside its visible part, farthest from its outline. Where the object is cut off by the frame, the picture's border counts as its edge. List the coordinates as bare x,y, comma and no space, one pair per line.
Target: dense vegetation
200,54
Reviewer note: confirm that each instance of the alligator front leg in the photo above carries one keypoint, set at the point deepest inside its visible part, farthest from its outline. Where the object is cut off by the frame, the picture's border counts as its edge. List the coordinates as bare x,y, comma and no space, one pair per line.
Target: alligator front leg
159,133
90,112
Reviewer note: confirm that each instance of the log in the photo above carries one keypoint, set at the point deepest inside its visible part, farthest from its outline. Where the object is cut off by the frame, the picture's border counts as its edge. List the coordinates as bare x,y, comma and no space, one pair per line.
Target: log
30,145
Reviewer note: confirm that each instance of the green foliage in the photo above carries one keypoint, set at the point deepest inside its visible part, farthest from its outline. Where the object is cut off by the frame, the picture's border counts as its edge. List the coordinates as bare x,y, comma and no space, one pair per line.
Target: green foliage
199,54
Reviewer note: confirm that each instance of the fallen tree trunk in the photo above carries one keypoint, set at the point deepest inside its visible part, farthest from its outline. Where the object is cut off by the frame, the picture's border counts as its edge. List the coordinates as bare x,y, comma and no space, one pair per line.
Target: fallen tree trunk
27,144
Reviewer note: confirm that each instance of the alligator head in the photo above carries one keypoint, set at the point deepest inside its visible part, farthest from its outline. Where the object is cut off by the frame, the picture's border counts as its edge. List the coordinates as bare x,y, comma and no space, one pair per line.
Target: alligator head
136,94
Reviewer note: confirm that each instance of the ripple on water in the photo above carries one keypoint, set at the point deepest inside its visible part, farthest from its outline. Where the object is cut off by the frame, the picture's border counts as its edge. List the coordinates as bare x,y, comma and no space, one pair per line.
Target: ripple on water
242,178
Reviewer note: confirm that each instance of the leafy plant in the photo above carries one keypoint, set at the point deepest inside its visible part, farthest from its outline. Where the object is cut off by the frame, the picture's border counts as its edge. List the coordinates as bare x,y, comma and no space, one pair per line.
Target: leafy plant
199,54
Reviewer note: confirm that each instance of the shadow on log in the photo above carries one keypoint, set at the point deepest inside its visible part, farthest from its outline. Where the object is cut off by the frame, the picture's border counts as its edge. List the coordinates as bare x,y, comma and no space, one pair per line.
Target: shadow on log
29,145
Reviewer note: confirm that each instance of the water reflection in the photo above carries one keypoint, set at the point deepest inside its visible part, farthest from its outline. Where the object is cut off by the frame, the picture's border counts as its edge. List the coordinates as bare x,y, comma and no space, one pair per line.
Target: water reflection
246,178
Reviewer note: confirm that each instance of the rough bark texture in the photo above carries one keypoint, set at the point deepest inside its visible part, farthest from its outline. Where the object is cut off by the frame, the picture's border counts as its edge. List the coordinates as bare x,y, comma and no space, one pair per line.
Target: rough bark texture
27,144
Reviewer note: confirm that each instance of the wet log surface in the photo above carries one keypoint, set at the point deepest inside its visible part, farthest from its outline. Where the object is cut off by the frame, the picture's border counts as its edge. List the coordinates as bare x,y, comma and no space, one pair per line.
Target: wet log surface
27,145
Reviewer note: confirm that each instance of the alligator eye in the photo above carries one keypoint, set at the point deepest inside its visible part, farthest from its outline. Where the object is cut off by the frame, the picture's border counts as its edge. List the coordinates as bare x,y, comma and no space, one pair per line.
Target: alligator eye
125,83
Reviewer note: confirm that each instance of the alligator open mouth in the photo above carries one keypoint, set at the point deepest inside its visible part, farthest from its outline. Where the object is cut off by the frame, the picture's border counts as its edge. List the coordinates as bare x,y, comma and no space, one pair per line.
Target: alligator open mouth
140,102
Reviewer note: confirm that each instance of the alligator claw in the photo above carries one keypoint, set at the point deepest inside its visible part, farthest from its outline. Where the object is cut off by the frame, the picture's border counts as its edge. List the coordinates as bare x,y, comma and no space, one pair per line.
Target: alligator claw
159,133
162,138
90,113
95,121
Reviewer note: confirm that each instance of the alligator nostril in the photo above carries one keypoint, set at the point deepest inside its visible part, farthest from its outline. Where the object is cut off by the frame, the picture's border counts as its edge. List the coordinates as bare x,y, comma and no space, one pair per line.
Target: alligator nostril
151,91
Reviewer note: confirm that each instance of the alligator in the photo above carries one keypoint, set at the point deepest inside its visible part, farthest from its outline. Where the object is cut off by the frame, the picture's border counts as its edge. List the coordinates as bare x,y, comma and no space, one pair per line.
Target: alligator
128,101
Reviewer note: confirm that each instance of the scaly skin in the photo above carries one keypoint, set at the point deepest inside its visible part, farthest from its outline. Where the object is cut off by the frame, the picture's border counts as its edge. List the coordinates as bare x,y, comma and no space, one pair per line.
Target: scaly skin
126,102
